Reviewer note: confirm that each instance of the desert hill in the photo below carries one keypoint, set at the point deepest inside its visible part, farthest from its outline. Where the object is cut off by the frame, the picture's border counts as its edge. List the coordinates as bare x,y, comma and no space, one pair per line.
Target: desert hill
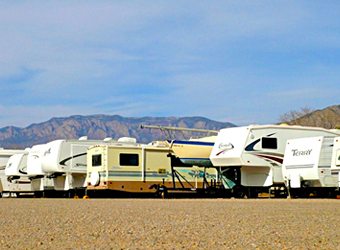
101,126
327,118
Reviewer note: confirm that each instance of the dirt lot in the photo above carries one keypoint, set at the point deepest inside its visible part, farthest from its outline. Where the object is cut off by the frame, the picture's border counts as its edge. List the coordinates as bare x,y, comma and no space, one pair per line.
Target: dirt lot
169,224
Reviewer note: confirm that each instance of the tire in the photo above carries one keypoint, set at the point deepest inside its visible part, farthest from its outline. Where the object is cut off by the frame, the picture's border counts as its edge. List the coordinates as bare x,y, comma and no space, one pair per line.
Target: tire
240,192
162,192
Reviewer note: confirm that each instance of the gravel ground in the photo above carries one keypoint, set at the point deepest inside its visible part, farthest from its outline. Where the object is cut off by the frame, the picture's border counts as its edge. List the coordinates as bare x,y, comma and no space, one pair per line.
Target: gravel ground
169,224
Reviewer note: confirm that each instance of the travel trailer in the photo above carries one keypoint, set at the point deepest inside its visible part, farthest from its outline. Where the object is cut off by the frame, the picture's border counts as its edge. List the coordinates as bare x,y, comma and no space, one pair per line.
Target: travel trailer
65,162
251,156
6,186
307,167
129,167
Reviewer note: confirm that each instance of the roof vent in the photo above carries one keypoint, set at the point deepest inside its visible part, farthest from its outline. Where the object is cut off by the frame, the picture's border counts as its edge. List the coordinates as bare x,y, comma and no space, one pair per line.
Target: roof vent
128,140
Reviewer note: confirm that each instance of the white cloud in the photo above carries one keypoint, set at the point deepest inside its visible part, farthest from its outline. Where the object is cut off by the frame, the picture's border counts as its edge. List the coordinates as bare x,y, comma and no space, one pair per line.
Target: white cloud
224,60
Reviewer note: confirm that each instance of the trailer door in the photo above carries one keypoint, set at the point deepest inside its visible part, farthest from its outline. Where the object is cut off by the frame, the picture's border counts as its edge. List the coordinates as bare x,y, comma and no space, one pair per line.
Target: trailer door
337,159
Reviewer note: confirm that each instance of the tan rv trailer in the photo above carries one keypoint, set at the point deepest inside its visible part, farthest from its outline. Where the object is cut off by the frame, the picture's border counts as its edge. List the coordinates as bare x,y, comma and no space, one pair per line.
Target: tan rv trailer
143,168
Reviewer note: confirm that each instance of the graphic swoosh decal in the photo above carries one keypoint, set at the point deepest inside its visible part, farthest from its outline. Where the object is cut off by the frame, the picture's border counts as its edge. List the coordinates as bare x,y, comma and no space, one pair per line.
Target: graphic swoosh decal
63,162
21,171
251,146
271,157
222,151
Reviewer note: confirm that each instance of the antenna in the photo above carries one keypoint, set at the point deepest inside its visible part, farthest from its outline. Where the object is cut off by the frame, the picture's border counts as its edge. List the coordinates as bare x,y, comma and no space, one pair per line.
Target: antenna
167,128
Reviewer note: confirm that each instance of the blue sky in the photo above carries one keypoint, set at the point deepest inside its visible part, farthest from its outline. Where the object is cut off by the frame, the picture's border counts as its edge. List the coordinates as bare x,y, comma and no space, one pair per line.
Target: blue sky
237,61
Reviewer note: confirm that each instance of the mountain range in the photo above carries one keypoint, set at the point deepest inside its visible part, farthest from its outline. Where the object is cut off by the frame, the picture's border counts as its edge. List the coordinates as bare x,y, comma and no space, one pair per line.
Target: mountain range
102,126
115,126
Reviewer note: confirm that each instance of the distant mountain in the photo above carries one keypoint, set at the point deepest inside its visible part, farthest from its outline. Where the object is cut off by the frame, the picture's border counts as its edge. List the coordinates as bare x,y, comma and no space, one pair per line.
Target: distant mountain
101,126
327,118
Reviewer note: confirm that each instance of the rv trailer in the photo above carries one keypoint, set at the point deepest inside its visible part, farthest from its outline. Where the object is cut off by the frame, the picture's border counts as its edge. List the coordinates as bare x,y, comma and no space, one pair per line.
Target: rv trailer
251,156
16,166
16,172
64,161
6,186
129,167
41,185
307,167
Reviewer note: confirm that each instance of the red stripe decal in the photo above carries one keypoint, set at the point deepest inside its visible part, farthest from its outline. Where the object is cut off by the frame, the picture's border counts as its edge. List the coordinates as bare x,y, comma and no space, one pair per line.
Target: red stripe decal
270,157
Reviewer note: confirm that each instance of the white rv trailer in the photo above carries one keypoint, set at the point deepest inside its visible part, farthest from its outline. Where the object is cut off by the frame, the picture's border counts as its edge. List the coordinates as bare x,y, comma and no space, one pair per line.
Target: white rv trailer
7,186
65,162
40,183
307,167
252,156
16,172
124,168
16,166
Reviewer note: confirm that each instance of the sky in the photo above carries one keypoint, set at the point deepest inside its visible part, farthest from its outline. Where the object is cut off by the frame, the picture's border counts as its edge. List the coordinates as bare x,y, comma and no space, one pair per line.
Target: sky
232,61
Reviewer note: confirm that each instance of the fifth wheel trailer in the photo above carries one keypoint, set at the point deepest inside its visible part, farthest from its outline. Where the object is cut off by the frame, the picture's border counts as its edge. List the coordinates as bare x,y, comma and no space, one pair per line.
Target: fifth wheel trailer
6,186
64,161
252,156
41,185
307,167
16,173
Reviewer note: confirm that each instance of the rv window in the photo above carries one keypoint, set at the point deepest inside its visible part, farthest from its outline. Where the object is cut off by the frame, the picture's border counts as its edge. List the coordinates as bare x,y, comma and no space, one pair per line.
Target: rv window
269,142
96,160
128,160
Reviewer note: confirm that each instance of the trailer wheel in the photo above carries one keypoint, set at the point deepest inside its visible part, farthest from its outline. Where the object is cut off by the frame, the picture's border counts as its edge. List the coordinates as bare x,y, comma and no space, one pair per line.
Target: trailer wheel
240,192
161,192
209,192
299,193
